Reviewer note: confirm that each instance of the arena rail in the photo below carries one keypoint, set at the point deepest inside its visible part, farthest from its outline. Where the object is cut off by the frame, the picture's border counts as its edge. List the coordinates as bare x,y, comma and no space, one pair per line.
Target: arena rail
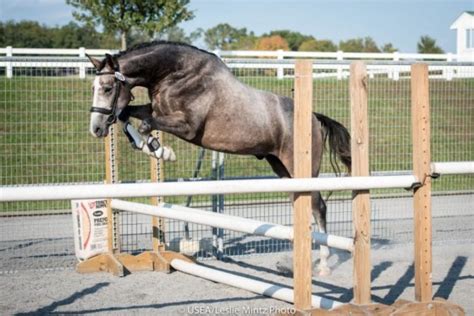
123,190
455,167
234,223
251,285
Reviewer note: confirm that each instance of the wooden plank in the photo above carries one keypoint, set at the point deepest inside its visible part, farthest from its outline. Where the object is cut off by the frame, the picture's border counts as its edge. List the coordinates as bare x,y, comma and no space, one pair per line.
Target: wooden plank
145,261
158,224
135,263
302,133
420,111
101,263
360,167
437,307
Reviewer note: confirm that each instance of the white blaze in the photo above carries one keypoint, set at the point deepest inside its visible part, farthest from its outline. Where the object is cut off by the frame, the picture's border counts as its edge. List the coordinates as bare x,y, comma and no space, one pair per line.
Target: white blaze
98,101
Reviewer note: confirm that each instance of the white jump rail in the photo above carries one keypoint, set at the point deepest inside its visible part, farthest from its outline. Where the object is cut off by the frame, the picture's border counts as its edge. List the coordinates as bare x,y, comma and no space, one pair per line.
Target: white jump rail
128,190
457,167
234,223
255,286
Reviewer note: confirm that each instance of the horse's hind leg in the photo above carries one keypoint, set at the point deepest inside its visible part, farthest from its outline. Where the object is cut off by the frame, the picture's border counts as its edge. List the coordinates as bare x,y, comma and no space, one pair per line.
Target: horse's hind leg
319,213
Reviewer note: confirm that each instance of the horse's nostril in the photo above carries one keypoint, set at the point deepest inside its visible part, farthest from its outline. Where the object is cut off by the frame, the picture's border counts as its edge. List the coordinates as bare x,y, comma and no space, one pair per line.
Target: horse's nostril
96,131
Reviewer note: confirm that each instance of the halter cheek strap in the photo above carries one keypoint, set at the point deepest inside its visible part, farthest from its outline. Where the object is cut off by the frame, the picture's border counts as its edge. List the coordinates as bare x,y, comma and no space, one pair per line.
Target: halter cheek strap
119,80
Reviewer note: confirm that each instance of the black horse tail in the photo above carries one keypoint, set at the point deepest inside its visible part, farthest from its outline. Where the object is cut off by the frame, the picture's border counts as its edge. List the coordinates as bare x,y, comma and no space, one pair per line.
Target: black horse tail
339,142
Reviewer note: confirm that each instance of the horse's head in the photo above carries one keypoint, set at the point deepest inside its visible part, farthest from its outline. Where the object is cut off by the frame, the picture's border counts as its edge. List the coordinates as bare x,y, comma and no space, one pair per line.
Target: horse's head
111,94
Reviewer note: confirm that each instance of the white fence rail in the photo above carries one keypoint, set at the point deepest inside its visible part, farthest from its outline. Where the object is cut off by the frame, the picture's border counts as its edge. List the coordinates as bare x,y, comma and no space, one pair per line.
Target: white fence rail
277,54
125,190
262,59
229,222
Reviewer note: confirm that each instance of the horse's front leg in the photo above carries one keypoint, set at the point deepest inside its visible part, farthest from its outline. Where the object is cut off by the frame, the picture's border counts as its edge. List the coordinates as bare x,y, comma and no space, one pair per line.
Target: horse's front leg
174,123
319,214
140,112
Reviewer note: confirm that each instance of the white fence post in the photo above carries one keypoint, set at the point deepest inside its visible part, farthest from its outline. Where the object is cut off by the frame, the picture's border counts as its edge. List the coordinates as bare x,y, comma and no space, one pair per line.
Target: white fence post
396,71
9,64
339,56
217,53
449,71
82,67
280,71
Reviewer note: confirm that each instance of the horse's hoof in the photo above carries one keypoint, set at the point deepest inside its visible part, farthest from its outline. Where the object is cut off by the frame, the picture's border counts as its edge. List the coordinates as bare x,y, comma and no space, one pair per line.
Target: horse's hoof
324,271
172,155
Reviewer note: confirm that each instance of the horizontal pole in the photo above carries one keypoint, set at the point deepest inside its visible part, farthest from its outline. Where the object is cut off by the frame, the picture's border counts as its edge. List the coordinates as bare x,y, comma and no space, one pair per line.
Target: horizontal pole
458,167
124,190
255,286
224,221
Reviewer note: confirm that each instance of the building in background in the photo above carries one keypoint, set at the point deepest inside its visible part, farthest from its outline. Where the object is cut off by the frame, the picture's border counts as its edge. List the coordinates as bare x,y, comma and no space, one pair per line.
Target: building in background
464,25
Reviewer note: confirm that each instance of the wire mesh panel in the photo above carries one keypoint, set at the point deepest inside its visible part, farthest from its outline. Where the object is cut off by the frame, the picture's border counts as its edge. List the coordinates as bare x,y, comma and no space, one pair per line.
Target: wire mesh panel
45,139
452,124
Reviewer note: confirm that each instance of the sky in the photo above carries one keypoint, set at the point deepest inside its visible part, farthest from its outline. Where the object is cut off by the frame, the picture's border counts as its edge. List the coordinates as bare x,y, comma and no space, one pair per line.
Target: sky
400,22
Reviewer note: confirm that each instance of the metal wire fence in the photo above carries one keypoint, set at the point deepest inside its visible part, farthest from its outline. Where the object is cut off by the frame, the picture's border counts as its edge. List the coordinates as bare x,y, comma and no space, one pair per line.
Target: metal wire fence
45,140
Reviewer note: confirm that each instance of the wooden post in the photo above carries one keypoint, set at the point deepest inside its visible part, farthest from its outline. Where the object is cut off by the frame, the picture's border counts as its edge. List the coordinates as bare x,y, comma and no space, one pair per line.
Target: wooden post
108,262
111,176
360,167
302,135
158,224
420,113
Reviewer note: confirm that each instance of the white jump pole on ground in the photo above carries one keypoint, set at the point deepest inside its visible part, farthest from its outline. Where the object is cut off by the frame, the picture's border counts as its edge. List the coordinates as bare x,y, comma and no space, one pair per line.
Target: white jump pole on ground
255,286
234,223
457,167
128,190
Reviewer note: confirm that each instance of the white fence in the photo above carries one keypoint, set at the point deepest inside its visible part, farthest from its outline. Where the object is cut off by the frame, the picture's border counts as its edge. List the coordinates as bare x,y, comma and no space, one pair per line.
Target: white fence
336,62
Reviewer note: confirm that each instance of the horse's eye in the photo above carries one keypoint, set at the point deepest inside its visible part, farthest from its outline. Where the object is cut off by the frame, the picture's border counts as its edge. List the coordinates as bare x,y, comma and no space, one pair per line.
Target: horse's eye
107,89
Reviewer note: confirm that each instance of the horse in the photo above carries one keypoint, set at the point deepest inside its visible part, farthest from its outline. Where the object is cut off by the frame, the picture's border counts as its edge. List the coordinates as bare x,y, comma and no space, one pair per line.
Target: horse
195,97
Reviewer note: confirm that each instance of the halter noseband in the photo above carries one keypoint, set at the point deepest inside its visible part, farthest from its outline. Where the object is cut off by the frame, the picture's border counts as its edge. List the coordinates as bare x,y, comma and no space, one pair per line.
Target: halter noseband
119,79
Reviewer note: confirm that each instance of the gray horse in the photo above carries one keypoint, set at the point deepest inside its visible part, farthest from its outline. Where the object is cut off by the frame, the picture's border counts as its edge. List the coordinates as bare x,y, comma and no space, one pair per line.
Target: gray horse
195,97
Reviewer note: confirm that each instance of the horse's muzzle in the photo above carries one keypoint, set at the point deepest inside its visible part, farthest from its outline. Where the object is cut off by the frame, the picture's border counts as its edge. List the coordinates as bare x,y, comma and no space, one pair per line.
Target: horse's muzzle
98,131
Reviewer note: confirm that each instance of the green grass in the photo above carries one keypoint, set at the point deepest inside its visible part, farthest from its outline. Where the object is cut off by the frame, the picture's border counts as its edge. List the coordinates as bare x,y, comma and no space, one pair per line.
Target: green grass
45,139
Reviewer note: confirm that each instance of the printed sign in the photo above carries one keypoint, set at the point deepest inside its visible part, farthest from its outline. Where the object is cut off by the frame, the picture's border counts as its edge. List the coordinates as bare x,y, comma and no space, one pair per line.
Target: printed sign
90,227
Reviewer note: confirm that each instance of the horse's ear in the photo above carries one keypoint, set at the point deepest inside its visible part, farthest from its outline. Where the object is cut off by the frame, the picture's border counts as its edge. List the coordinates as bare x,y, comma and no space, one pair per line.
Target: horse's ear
111,61
97,63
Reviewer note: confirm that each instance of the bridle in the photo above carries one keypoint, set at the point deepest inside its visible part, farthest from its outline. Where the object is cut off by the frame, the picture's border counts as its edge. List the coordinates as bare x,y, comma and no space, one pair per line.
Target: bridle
119,81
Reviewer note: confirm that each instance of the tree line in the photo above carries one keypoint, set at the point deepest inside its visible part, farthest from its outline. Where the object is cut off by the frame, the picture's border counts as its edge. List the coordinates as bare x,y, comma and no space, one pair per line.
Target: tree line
222,36
126,23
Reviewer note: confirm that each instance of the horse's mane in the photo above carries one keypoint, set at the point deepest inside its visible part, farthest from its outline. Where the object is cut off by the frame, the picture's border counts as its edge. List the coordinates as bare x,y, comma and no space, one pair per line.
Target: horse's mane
153,44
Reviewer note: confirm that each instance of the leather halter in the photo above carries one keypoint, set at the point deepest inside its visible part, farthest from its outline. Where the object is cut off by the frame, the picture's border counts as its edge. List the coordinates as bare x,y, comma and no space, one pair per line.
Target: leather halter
119,80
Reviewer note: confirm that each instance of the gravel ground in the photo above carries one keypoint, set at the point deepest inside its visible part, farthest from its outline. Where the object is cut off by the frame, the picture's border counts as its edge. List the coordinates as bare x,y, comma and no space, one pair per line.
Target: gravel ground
67,292
45,289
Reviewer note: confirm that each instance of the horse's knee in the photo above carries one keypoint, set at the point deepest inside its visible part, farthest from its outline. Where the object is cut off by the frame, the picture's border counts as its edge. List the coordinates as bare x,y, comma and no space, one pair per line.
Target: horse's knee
146,126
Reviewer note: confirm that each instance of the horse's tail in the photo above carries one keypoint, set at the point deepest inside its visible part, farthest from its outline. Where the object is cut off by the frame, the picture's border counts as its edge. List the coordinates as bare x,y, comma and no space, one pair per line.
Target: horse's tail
339,142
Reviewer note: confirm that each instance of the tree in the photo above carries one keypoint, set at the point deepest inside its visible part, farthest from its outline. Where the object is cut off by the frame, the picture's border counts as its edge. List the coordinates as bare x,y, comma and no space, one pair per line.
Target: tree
389,48
177,34
313,45
224,36
427,45
246,42
72,35
25,34
370,46
352,45
294,39
272,43
362,45
123,15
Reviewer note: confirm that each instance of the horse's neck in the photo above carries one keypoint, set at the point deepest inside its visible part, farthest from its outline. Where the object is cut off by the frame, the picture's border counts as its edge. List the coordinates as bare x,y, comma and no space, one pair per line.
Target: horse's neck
147,69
